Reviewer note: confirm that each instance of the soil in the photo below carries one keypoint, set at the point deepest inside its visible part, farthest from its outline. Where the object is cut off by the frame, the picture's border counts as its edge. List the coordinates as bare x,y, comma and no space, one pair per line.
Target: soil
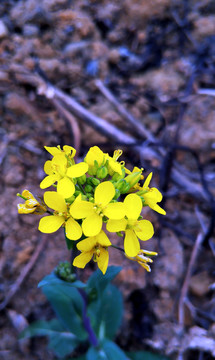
157,59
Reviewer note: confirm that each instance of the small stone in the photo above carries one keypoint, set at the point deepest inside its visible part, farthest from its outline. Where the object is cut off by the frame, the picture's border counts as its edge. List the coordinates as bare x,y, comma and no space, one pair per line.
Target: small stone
30,30
3,30
200,283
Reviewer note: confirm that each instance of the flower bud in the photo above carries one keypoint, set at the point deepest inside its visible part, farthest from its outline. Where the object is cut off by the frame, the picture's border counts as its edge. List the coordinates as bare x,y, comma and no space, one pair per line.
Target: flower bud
95,181
117,194
117,176
82,179
121,185
71,199
133,178
126,188
102,172
88,189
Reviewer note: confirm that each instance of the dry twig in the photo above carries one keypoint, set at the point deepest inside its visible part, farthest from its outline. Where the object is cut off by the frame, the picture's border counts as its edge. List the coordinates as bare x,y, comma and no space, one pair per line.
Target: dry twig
184,290
25,271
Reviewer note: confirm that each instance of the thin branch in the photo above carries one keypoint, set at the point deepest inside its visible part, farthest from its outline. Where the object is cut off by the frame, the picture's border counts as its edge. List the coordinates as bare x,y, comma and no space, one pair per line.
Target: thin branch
25,271
136,125
184,290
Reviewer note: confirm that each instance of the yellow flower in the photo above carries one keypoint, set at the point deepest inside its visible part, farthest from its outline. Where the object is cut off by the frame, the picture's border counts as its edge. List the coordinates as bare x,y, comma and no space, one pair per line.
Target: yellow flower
31,205
113,164
152,196
96,154
133,228
95,247
61,216
93,213
58,170
143,260
56,150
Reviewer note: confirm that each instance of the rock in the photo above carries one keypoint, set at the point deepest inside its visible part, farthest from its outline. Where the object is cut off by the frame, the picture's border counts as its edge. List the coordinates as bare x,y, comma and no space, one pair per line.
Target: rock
3,30
200,283
204,26
168,267
30,30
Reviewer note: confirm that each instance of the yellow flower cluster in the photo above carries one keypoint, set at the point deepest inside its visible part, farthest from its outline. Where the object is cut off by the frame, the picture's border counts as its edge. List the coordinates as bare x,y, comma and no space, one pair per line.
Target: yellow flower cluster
97,194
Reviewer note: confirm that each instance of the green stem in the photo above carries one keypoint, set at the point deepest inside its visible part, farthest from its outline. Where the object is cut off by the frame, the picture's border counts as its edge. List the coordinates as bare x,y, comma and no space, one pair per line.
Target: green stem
81,188
118,248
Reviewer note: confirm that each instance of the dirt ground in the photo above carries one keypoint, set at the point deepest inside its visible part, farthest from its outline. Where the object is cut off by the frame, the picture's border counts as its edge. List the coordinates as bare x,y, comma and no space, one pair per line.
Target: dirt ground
148,70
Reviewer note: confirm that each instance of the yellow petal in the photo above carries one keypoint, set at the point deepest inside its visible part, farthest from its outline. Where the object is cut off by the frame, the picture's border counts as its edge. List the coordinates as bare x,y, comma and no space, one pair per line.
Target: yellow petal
50,224
104,193
59,162
48,181
115,166
131,243
87,244
31,203
48,167
94,154
27,194
22,209
92,225
144,230
133,206
69,150
147,181
81,209
159,209
153,195
115,211
77,170
55,201
82,259
73,229
102,239
102,260
53,150
65,187
116,225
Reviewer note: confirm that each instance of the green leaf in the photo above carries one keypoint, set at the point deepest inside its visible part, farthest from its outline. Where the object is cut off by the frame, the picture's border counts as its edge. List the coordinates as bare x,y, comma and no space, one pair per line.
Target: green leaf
106,312
53,279
67,303
99,281
96,354
145,355
113,351
111,310
61,341
107,351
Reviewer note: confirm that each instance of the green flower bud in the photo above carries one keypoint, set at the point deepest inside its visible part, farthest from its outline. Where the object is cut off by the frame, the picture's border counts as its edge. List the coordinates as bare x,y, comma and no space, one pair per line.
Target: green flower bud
125,189
89,180
71,199
102,172
82,179
133,178
120,185
95,181
88,195
117,194
77,192
117,176
94,168
88,189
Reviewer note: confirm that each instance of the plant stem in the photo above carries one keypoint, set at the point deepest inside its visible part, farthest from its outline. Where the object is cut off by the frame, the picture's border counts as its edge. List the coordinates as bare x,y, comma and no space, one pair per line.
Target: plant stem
86,321
118,248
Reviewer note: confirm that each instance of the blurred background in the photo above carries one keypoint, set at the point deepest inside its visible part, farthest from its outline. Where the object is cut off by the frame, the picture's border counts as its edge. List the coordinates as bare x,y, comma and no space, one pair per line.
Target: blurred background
129,74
